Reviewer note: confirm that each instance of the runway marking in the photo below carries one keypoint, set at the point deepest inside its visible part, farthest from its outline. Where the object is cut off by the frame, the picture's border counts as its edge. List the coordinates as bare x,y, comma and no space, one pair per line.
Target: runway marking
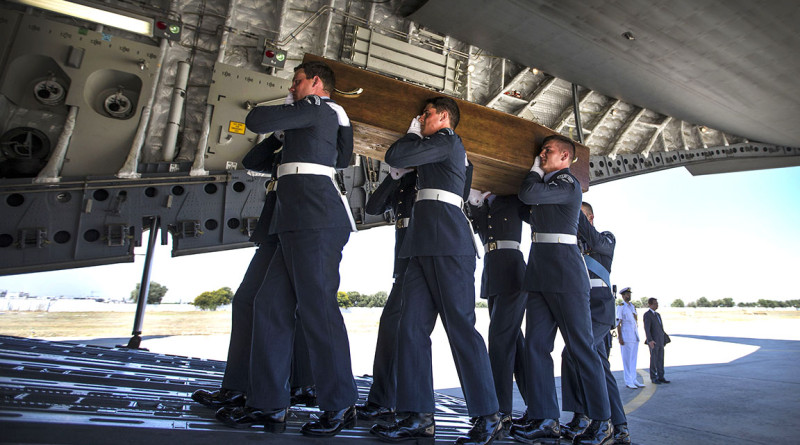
642,397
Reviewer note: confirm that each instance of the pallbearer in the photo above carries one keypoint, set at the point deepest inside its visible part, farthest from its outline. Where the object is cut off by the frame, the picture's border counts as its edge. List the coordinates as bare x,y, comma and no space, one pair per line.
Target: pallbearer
264,158
439,281
396,193
313,224
498,222
598,252
558,287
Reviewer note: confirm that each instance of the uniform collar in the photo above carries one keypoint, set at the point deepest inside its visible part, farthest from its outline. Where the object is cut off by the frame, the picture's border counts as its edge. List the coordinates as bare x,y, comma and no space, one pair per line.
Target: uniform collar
550,175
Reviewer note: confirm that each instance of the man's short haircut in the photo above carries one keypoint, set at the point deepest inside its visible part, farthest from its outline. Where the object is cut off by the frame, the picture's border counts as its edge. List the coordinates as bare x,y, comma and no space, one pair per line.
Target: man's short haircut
565,140
588,206
443,103
651,300
321,70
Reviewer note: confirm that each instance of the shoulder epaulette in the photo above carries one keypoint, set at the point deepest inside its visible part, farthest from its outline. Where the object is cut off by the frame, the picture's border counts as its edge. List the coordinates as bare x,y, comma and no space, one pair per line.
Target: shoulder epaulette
313,99
341,115
566,177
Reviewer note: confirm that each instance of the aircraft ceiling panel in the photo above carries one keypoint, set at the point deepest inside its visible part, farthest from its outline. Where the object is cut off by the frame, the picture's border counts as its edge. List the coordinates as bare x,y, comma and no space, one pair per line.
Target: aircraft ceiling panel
730,65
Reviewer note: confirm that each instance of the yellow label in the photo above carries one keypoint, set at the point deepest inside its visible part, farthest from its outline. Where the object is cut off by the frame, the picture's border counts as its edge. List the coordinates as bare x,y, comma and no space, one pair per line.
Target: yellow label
236,127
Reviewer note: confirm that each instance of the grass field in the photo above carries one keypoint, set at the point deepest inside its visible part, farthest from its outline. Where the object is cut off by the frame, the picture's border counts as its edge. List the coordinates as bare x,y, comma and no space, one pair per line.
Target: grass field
111,324
34,324
119,324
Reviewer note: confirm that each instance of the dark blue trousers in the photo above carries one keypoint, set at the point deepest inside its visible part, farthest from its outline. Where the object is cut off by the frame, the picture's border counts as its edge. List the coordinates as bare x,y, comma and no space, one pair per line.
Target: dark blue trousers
507,346
237,370
443,286
384,367
303,277
569,312
572,397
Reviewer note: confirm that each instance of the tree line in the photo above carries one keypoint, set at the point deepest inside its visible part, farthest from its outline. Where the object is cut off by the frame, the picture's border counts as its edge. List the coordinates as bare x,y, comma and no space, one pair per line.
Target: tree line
723,302
356,299
211,300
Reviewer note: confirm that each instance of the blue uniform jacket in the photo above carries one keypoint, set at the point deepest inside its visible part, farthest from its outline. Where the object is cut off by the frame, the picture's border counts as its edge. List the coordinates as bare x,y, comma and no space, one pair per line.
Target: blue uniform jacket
264,158
437,228
500,220
396,195
316,131
600,246
556,203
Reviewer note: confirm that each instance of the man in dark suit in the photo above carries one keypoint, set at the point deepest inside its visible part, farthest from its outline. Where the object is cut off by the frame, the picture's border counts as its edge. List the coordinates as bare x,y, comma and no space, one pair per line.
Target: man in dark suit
498,222
396,194
312,223
598,252
558,298
439,281
264,158
656,338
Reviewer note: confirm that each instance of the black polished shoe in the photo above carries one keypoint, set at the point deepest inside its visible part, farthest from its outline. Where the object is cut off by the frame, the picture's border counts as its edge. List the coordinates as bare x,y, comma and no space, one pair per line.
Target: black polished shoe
544,431
331,422
372,411
599,432
416,426
621,435
225,411
656,382
485,430
219,398
663,381
507,421
575,426
520,420
274,421
304,395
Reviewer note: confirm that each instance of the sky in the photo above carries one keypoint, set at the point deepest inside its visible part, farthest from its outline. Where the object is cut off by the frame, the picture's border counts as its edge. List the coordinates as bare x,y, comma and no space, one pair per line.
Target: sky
678,236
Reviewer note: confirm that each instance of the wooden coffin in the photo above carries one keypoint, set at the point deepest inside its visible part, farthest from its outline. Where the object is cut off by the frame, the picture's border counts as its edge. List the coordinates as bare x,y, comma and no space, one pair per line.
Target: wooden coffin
500,146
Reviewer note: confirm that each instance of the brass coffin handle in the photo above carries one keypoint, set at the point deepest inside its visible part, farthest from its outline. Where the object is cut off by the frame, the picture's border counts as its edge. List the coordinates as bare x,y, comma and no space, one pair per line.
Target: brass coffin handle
353,93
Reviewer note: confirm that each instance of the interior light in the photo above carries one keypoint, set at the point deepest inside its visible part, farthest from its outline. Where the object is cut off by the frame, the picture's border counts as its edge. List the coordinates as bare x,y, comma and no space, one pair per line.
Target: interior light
108,18
535,71
470,68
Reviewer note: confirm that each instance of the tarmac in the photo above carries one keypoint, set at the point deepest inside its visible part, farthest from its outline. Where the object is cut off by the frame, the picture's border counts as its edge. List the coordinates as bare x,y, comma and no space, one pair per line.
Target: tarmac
732,381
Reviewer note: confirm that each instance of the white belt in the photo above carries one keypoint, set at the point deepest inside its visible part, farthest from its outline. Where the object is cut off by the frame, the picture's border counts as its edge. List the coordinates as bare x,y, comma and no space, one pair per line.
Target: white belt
307,168
440,195
557,238
402,223
450,198
597,282
502,244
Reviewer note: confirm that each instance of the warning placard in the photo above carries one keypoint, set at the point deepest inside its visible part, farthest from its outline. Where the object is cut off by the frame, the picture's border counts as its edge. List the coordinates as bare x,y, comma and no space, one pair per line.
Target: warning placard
236,127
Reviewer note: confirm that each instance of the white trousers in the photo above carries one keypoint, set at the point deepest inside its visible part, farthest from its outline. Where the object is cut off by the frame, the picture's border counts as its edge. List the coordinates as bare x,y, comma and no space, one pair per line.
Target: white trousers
630,350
